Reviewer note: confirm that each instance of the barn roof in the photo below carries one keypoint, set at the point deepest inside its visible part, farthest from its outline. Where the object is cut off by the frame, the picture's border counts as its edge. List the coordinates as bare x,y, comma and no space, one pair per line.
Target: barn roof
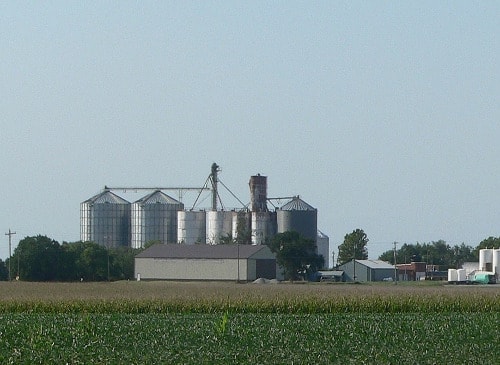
376,264
175,251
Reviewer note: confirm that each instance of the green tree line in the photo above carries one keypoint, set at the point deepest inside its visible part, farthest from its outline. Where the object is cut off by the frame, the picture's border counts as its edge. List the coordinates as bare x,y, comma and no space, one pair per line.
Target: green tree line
434,253
40,258
439,253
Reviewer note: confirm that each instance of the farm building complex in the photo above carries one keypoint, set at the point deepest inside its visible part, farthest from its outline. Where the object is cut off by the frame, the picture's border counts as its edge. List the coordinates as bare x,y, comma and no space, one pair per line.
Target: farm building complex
112,221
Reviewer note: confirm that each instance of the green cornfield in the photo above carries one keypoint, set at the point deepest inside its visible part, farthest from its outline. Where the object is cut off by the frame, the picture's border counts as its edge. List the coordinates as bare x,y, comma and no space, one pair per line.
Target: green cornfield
229,323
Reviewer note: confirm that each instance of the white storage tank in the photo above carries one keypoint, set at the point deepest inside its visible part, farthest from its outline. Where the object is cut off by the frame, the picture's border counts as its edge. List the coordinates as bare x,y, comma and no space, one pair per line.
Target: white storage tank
461,275
219,224
485,259
234,225
452,276
191,227
496,262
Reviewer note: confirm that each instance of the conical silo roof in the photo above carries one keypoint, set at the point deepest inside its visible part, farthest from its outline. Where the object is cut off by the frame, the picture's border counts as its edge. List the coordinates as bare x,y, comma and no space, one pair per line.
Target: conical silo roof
106,197
297,204
157,197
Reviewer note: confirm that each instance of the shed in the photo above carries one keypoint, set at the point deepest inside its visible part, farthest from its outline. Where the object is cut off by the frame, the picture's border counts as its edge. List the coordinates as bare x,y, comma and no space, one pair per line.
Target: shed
206,262
367,270
331,275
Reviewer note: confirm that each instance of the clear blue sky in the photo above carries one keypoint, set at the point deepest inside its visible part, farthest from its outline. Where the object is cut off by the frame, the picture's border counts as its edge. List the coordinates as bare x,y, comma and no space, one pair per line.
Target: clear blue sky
385,116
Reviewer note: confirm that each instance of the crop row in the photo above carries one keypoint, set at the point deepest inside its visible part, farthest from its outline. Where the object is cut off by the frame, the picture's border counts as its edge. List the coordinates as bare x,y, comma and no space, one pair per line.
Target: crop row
249,338
286,305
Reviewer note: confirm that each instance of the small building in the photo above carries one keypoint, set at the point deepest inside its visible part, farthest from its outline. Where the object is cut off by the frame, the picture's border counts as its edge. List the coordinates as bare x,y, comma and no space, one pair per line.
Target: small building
367,270
331,275
413,271
206,262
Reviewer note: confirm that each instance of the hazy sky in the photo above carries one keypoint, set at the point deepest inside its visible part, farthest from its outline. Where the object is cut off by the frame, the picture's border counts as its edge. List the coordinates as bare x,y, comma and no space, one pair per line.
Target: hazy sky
385,116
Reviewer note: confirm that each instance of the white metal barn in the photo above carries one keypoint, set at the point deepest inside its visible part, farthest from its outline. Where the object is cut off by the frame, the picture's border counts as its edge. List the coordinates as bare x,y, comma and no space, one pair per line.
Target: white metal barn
206,262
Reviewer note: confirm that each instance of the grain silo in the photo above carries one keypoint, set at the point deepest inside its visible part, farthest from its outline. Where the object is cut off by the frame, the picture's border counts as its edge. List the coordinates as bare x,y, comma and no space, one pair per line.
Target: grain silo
263,227
154,218
323,247
258,193
191,227
219,225
105,219
242,227
297,215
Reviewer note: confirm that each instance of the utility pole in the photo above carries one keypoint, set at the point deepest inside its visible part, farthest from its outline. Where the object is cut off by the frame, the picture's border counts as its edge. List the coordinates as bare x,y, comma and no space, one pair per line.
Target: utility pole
10,234
238,248
354,262
395,268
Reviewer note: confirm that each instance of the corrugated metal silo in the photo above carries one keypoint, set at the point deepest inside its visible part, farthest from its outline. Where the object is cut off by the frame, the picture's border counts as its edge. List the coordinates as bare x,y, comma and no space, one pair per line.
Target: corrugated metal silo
154,217
105,219
323,247
297,215
192,227
219,224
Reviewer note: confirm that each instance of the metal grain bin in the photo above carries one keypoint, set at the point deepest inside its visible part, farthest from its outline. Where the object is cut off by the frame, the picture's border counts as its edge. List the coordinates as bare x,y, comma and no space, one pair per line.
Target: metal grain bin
105,219
154,218
297,215
192,227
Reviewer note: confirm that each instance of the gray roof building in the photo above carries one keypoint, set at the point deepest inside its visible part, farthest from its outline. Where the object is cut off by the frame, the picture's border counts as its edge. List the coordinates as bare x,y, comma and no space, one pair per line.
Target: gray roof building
367,270
206,262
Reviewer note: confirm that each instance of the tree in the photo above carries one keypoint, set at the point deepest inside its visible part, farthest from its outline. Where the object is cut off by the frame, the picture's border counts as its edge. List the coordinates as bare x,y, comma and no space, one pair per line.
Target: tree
243,229
151,243
226,239
433,253
295,254
490,242
93,262
4,271
463,253
405,254
39,259
354,246
122,262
